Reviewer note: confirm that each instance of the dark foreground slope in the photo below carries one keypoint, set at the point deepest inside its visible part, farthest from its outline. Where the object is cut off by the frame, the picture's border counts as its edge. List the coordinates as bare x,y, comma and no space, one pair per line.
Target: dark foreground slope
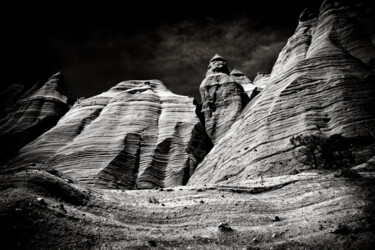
42,209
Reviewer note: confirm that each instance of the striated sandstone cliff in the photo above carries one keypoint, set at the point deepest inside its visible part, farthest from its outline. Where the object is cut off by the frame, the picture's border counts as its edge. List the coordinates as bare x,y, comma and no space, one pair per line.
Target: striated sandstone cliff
136,135
322,83
29,113
223,98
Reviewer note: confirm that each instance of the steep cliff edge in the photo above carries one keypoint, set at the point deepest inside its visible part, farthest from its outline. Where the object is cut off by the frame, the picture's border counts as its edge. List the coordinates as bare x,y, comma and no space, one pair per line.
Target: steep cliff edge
223,98
27,113
322,84
136,135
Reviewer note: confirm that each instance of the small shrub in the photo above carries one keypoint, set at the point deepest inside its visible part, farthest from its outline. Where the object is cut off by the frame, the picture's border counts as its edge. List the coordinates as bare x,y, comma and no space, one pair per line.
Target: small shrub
152,199
224,227
322,152
352,174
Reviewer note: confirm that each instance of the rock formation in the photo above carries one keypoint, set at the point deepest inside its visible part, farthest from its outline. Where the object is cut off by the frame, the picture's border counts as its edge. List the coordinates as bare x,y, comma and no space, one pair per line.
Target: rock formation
223,99
33,112
136,135
239,77
249,192
322,83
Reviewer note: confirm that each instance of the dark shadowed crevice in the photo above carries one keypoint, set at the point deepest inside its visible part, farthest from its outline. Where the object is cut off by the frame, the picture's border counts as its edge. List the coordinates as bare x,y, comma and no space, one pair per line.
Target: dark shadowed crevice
156,173
200,115
122,171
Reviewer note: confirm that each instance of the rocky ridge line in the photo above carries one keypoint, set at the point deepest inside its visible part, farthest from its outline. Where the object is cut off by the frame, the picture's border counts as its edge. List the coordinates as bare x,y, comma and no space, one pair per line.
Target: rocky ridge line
29,113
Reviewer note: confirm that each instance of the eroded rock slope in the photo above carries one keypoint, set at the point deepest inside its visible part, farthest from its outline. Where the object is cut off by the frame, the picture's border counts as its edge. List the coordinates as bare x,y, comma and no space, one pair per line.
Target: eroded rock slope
136,135
323,83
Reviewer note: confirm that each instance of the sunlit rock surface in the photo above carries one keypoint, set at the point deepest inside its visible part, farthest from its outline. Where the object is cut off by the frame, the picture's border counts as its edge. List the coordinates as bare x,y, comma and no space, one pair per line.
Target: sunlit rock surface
27,113
261,80
223,99
136,135
322,83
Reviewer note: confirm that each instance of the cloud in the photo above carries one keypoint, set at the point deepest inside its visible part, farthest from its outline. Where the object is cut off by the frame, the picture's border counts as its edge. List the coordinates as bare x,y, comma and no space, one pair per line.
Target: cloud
97,45
94,59
183,50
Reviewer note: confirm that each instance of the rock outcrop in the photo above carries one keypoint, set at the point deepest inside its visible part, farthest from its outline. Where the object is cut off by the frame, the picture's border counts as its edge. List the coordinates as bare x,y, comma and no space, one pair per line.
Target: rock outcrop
248,86
136,135
223,99
261,80
322,84
27,113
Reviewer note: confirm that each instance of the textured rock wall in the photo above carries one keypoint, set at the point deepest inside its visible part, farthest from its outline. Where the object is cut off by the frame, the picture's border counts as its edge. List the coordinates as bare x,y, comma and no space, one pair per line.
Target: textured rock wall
223,99
322,83
29,113
136,135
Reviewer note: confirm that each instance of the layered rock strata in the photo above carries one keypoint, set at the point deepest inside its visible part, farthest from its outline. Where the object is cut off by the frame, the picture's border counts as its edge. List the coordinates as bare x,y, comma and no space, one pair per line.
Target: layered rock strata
322,83
29,113
223,98
136,135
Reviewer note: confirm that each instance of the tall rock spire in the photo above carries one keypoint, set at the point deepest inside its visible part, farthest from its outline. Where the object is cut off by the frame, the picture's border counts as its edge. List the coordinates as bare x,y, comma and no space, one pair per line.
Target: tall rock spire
222,98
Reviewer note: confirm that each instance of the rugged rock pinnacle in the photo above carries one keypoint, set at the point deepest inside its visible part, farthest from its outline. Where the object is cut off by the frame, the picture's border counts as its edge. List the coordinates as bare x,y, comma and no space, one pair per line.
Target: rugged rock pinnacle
223,98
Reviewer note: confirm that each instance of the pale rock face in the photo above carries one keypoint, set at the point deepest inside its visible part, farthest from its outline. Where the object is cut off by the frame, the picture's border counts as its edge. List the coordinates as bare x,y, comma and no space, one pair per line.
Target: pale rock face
34,111
136,135
322,83
223,99
261,80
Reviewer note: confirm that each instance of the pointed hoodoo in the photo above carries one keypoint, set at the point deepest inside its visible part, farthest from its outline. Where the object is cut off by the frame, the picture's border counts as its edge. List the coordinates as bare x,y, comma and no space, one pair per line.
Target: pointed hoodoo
237,73
217,65
217,57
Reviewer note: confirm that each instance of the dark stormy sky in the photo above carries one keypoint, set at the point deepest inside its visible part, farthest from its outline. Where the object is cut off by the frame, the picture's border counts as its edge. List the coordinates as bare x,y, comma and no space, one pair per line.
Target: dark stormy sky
98,44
